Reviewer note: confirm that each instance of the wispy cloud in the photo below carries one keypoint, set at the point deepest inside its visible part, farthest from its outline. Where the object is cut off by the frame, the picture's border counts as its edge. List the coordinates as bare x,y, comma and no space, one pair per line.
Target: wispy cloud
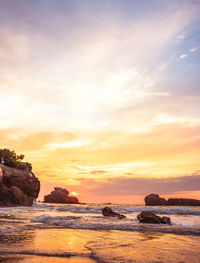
182,56
194,49
98,83
142,186
182,36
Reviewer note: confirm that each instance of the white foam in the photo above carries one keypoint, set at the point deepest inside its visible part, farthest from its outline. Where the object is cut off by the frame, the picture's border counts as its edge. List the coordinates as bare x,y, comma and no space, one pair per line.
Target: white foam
84,209
90,217
47,218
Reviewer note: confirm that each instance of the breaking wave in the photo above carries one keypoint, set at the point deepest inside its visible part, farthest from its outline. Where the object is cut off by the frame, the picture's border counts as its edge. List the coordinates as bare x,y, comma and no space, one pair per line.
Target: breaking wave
126,209
89,216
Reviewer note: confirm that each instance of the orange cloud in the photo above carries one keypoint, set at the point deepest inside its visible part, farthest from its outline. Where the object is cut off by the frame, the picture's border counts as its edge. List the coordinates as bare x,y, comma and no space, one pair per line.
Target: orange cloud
97,101
38,141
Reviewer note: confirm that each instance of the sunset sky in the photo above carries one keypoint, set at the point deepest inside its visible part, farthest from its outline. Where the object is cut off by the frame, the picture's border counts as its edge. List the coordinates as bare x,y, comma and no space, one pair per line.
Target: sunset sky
103,96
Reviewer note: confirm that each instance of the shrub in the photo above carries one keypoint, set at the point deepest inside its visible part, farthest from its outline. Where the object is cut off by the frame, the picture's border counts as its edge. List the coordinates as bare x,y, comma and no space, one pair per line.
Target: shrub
11,158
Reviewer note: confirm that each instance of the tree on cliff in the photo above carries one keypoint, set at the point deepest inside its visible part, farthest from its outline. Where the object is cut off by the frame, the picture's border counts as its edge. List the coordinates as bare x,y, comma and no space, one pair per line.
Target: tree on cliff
11,158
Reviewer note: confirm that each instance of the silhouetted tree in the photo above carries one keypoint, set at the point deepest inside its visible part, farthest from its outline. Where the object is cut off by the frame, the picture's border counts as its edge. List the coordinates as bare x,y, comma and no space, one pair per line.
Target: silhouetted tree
11,158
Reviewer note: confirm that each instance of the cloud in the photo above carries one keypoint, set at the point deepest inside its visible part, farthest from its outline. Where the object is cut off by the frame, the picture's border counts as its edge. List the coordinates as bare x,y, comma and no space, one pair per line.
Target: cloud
25,141
35,141
167,150
96,84
182,56
182,36
98,172
194,49
124,186
71,144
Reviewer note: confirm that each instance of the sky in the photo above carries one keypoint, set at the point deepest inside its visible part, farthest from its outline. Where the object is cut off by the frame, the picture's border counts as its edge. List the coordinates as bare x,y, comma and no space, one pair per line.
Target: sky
103,97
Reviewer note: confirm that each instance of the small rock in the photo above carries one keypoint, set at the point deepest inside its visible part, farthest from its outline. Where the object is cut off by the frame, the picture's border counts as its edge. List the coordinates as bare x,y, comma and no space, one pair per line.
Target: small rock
152,218
107,211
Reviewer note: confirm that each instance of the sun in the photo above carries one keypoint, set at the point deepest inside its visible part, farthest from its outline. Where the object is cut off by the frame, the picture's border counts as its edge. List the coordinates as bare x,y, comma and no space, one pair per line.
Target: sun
74,193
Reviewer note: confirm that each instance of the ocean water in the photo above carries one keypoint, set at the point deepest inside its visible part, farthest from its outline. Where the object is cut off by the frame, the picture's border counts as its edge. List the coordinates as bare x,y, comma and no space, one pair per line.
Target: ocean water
79,233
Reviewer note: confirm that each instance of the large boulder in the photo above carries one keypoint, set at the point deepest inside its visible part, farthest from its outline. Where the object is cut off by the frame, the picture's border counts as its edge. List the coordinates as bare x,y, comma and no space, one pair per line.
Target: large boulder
152,218
183,202
61,196
154,199
107,211
18,186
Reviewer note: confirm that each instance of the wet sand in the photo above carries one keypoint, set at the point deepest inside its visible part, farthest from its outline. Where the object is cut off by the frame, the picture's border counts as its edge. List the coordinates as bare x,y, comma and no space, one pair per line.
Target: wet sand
42,259
88,246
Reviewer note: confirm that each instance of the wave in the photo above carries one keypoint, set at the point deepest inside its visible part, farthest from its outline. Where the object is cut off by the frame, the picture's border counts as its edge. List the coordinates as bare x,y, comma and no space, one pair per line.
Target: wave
89,216
94,209
97,209
180,224
47,218
103,223
166,210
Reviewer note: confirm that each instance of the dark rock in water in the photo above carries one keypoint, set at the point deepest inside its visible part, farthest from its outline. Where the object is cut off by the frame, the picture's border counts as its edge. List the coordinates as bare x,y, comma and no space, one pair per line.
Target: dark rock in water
183,202
152,218
18,187
166,220
60,196
107,211
154,199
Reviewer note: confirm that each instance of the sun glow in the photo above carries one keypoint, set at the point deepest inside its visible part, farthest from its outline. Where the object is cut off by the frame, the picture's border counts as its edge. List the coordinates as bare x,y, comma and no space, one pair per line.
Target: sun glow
95,109
74,193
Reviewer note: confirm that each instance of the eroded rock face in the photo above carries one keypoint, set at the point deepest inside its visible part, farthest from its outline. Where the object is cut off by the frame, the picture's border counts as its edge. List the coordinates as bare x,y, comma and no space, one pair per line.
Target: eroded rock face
152,218
107,211
61,196
183,202
154,199
18,187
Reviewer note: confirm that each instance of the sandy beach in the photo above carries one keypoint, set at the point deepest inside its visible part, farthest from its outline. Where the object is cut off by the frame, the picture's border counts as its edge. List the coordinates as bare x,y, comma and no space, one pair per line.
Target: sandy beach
79,233
87,246
99,131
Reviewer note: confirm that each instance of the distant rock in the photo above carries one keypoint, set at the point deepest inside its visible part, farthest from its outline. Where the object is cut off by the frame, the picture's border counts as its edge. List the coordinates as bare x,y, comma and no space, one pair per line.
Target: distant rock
183,202
152,218
60,196
154,199
107,211
18,187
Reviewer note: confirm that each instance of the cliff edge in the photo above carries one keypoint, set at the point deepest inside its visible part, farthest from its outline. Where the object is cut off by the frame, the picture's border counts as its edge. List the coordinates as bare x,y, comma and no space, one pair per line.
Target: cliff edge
18,187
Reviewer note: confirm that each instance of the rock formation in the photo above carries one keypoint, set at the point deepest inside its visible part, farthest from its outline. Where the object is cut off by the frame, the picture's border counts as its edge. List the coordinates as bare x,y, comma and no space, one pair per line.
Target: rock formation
154,199
183,202
18,187
152,218
60,196
107,211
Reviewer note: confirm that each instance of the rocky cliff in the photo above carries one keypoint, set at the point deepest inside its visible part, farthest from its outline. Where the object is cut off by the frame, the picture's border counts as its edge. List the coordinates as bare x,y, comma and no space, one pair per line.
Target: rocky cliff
18,187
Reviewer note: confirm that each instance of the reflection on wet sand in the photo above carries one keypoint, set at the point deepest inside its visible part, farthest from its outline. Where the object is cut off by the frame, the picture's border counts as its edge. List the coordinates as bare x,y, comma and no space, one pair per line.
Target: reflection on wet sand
43,259
87,246
17,239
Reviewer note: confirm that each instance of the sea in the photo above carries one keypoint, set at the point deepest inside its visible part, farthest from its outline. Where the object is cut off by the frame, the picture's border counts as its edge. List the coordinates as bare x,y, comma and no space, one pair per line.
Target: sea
80,233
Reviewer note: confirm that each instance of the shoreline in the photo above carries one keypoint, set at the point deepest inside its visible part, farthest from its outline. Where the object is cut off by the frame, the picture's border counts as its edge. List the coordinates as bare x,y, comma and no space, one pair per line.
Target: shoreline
88,246
81,234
